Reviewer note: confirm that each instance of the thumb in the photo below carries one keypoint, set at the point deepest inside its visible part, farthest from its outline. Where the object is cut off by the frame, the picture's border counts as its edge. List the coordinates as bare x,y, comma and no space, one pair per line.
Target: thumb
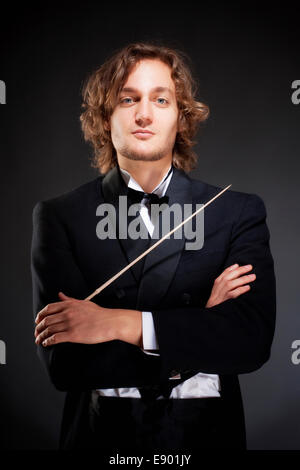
62,296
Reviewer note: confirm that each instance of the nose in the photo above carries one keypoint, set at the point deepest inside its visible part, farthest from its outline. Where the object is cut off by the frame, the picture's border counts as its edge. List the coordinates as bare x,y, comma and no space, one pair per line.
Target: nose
143,115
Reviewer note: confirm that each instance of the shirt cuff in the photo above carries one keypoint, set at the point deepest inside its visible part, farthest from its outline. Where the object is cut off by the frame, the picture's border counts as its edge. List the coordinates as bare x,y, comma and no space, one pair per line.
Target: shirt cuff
149,336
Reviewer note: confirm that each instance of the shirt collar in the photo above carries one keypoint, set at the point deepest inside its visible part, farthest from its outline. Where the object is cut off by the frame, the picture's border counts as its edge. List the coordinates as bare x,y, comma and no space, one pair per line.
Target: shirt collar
160,189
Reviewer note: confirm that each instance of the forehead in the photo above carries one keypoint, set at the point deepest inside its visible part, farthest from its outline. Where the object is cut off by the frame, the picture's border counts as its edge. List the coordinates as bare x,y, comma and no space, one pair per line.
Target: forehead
150,73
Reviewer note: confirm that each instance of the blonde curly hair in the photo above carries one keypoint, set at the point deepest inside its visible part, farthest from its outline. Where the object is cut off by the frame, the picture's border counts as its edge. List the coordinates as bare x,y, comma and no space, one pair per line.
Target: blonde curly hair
100,93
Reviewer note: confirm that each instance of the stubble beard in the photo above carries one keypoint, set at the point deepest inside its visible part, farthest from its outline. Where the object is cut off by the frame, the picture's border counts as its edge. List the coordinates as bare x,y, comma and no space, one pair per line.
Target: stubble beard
131,154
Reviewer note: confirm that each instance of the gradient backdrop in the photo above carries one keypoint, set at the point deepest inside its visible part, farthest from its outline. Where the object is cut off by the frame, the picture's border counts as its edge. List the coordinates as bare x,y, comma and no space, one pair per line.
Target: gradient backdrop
245,58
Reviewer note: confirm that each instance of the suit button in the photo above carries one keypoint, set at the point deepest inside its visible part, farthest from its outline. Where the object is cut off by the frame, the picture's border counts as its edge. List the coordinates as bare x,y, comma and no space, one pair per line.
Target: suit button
120,293
186,298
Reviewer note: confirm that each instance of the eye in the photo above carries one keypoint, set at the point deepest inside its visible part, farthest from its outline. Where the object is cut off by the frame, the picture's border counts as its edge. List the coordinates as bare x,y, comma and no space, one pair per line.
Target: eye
127,100
162,100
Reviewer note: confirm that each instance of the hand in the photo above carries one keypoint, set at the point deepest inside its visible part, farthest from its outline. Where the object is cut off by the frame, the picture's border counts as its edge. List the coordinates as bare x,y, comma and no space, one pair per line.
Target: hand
82,321
229,285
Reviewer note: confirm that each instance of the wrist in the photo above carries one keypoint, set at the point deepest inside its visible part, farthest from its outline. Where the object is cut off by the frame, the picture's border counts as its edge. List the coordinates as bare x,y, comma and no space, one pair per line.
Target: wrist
130,327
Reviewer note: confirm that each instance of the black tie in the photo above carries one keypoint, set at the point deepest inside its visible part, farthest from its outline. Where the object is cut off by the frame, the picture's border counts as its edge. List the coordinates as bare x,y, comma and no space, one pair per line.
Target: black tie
135,196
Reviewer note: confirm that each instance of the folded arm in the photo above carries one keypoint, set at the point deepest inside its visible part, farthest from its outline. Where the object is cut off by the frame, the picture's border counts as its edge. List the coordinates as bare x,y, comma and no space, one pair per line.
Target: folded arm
235,336
108,364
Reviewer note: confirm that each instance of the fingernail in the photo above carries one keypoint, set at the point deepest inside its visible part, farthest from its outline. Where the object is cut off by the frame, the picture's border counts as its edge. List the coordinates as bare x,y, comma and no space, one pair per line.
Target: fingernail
234,266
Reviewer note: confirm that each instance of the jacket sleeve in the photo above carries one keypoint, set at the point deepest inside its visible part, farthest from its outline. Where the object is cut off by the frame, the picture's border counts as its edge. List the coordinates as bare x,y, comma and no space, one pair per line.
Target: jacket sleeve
77,366
233,337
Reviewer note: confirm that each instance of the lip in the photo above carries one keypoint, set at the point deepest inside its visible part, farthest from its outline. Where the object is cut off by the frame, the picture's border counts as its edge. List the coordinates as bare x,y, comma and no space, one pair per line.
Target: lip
142,131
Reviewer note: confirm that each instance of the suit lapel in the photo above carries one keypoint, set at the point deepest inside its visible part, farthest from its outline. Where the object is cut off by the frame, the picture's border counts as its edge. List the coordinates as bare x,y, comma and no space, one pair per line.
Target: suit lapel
161,263
114,186
154,273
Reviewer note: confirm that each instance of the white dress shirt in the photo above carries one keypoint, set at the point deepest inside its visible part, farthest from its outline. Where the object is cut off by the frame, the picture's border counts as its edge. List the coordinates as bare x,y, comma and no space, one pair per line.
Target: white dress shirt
200,385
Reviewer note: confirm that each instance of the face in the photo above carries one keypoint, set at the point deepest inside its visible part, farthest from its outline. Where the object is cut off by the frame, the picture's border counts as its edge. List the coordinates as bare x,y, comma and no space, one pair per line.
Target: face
144,122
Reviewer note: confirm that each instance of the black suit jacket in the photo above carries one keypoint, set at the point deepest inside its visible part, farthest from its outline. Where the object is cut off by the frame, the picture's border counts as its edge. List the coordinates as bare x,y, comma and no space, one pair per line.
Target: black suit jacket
231,338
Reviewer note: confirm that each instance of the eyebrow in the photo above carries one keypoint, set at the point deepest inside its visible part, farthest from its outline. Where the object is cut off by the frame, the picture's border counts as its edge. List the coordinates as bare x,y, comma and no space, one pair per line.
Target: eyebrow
156,89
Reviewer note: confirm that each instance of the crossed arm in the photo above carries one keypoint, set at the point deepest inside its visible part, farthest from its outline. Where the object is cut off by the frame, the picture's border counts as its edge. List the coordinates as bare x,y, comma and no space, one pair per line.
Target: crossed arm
80,321
88,346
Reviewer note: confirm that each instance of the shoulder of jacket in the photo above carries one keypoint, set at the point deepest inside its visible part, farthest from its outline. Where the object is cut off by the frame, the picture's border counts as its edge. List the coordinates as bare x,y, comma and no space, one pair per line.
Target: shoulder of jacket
76,196
211,190
232,203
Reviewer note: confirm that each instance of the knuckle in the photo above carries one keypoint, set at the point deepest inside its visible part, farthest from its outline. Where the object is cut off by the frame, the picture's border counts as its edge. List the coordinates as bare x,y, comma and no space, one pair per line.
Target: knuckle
68,315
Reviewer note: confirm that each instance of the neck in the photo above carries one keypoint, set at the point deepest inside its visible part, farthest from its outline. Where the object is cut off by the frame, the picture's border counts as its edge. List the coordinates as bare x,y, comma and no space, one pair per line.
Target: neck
146,174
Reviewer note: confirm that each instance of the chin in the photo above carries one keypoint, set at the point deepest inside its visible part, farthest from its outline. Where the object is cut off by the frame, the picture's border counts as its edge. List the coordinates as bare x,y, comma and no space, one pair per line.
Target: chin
142,155
145,158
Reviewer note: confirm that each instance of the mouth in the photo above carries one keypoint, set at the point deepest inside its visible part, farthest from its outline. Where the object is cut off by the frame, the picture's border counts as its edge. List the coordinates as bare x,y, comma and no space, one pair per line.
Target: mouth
142,134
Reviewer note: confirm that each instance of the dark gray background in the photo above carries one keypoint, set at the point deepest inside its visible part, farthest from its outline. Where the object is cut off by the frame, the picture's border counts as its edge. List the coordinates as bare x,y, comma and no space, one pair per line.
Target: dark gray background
245,58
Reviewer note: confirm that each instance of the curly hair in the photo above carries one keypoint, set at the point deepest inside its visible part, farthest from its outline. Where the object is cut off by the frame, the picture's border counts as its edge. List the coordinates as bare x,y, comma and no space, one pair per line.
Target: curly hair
100,93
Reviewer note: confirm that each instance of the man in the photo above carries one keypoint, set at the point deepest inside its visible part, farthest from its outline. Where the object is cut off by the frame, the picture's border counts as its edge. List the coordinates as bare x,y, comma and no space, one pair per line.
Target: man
152,362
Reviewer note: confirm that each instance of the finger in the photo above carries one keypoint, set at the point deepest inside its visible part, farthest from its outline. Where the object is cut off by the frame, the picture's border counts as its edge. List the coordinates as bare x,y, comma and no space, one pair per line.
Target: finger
50,309
49,320
234,273
227,270
56,338
63,296
239,291
230,268
51,330
242,280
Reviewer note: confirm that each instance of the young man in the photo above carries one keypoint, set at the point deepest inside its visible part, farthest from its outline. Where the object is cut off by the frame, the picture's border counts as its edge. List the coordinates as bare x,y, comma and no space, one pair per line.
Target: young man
152,362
